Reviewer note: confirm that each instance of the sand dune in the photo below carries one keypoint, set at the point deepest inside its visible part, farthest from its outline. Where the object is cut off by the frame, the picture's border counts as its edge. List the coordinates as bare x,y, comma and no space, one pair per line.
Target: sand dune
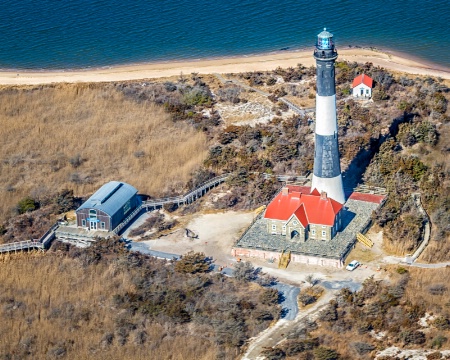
224,65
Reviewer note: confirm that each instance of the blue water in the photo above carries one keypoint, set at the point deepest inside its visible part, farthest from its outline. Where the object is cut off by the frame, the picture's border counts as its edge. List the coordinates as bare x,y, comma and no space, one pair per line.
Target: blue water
58,34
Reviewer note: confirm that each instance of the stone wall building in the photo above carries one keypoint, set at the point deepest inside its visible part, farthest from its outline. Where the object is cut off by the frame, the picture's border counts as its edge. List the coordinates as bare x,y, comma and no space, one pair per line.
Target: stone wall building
302,216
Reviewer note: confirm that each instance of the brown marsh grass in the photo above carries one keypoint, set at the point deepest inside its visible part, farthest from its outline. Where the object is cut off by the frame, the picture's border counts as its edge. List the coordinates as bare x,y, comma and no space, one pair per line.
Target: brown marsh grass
79,136
52,304
421,284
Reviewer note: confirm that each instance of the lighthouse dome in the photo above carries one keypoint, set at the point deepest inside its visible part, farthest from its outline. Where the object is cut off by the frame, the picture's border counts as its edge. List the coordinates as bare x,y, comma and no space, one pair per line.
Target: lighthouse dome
325,40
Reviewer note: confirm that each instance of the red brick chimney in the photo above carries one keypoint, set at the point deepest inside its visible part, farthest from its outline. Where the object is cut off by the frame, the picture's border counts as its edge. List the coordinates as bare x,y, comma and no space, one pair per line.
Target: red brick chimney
285,191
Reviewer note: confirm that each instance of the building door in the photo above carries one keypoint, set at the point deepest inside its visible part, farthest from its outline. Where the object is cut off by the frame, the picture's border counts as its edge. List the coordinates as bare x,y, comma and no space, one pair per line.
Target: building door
362,92
93,225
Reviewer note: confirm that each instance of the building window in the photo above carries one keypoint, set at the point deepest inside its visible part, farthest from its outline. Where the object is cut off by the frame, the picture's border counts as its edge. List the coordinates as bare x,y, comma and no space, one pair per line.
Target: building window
295,223
313,232
367,91
83,222
324,233
92,214
283,230
323,226
103,225
274,229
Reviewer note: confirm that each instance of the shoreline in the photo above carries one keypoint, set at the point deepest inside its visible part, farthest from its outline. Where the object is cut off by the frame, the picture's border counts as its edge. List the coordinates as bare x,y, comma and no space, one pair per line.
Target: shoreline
391,60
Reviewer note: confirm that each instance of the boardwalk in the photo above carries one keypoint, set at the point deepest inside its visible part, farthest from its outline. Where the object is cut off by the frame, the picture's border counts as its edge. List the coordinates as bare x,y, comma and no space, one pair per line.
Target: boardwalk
188,198
42,243
21,245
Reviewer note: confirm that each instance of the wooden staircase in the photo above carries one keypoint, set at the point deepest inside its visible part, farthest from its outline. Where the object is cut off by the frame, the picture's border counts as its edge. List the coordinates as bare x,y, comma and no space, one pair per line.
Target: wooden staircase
364,240
285,259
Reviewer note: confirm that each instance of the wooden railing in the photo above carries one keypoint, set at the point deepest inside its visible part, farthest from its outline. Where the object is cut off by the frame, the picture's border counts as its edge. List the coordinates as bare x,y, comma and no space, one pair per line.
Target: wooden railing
21,245
188,197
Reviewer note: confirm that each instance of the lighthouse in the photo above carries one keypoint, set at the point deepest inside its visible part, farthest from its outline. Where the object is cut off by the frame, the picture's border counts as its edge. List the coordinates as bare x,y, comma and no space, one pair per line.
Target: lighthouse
327,170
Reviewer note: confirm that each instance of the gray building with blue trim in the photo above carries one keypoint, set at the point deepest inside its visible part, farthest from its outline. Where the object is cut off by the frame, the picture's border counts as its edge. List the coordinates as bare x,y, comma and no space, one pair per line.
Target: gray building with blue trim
108,206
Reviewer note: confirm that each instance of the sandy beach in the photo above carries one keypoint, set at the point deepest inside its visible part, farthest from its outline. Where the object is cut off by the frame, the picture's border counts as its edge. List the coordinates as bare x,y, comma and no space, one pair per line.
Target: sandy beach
225,65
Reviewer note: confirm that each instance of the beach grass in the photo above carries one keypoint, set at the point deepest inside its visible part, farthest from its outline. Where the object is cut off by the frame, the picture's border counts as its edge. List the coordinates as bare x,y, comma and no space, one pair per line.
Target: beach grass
79,136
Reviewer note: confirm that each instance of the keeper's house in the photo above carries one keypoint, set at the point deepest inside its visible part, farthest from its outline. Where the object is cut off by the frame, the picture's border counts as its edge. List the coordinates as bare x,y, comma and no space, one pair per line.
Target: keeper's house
362,86
301,217
109,205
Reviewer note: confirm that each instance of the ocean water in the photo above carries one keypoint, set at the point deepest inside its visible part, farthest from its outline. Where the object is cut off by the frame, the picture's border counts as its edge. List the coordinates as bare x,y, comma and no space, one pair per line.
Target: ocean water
57,34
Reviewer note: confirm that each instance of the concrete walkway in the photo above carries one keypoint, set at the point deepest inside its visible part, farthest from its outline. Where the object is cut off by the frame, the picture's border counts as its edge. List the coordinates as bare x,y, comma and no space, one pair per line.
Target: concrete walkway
277,333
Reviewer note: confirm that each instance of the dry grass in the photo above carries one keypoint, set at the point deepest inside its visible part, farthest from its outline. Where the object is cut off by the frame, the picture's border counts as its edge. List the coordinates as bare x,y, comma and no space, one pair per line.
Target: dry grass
54,302
420,284
44,130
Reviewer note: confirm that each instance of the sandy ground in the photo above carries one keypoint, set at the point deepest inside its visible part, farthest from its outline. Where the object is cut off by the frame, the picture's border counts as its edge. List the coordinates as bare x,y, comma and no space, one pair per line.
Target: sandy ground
216,235
224,65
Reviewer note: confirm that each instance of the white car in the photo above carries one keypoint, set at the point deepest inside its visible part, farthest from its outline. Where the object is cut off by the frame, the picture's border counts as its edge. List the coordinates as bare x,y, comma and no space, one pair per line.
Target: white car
353,265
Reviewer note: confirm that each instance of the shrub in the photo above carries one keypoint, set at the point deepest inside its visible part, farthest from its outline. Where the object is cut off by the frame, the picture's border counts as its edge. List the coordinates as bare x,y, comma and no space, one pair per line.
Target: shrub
442,323
26,205
329,313
269,296
244,271
438,341
437,289
192,263
412,337
273,354
401,270
362,348
323,353
436,355
306,299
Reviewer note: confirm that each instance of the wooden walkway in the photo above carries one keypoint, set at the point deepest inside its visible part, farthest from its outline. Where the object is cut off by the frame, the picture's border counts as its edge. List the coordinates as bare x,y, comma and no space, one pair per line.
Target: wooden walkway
188,198
46,239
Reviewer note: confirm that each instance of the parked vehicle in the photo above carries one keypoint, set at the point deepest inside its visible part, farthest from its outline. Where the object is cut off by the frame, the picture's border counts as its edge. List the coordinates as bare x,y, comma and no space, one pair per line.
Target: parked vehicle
352,265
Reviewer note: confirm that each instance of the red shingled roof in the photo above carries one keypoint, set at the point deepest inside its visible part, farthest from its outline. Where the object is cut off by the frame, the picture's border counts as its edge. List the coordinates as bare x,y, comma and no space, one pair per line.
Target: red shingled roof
308,208
363,79
377,199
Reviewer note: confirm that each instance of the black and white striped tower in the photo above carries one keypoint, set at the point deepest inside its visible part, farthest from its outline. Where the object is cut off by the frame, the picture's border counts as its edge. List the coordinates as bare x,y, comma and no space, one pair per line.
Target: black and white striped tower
327,170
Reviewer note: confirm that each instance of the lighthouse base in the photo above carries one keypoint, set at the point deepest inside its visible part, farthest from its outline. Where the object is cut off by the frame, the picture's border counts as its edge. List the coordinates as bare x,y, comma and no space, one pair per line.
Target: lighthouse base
332,186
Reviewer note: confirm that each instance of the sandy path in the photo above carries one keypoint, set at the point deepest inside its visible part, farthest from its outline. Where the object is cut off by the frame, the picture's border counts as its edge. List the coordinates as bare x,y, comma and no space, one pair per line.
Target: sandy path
216,235
224,65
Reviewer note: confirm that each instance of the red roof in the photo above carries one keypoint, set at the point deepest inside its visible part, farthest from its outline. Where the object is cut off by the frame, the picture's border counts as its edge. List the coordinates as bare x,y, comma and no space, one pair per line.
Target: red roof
308,208
377,199
363,79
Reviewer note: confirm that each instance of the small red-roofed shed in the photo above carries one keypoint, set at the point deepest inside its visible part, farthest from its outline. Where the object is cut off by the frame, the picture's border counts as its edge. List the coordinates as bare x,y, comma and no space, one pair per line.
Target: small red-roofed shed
362,86
299,215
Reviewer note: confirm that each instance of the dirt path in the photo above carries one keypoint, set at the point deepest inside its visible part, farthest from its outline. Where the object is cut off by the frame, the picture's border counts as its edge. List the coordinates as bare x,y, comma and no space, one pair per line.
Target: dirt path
277,333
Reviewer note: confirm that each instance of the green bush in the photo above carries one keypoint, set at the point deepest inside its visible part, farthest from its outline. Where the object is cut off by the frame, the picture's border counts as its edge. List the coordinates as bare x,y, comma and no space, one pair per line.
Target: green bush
26,205
323,353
